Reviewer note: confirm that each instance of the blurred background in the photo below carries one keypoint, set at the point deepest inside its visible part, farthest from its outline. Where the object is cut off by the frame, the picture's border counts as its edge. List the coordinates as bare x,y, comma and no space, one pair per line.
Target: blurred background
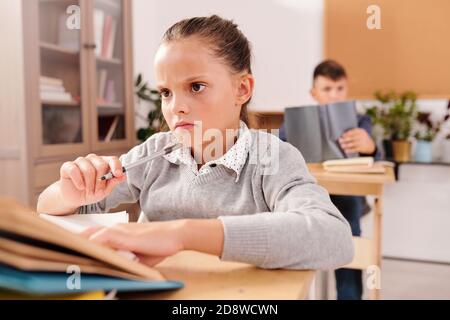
76,76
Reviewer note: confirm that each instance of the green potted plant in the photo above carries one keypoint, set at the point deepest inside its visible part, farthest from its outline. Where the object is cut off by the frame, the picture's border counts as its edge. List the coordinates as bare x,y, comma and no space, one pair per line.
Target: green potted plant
395,114
446,149
155,119
425,133
446,141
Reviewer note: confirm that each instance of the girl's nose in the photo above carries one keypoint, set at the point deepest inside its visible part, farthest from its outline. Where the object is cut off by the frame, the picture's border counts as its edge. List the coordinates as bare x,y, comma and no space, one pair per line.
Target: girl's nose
179,106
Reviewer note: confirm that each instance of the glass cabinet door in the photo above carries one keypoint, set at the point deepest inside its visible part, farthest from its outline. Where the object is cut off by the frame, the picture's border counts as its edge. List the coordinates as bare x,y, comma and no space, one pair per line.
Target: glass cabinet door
62,93
112,94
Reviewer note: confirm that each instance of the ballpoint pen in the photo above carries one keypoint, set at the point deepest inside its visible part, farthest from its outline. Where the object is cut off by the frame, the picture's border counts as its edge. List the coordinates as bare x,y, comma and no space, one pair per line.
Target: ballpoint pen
166,150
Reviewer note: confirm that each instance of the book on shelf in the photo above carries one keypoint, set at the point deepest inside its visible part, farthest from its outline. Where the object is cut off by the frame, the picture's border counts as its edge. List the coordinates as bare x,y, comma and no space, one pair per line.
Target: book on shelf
111,40
99,20
105,30
50,81
52,89
102,76
110,93
68,38
37,256
106,88
112,129
56,96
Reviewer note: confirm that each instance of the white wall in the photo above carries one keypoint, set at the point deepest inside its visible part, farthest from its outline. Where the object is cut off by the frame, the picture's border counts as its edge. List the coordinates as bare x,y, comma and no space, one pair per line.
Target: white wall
13,147
286,36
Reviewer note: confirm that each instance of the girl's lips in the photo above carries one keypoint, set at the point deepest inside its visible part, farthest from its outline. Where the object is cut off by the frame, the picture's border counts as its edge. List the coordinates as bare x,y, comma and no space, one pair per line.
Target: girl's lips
186,126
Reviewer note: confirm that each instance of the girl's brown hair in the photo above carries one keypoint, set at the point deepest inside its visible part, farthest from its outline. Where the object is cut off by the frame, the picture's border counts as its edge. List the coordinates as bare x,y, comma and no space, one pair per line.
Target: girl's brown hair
225,39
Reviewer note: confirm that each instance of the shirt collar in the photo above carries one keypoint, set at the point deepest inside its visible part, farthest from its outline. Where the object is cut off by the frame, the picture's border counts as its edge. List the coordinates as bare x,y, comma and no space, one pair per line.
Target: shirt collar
234,159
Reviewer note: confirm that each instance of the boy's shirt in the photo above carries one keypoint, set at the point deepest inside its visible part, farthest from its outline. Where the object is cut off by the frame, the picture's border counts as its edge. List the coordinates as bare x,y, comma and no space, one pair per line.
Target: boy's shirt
364,122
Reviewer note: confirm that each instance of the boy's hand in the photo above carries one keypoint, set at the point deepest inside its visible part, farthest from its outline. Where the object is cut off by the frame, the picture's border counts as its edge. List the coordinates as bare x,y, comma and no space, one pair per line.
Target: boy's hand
357,141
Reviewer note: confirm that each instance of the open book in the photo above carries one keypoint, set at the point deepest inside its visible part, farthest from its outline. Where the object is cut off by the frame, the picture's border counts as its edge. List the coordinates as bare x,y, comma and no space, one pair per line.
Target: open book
78,223
31,244
315,130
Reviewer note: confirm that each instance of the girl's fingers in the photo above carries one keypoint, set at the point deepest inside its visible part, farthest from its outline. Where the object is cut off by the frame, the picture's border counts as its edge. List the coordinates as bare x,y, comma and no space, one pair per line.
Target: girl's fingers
113,238
101,167
90,231
149,260
112,183
115,165
89,174
69,170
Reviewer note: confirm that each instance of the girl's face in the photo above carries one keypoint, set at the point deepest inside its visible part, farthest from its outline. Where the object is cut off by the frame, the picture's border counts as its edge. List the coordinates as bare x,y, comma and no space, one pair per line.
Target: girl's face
197,86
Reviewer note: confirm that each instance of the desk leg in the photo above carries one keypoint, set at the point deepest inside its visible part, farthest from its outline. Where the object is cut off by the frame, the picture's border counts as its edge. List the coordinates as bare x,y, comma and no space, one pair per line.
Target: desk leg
378,218
312,295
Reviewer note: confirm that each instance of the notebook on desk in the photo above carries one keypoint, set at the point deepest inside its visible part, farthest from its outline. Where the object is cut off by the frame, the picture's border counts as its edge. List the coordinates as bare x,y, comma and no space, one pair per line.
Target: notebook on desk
35,251
46,283
354,165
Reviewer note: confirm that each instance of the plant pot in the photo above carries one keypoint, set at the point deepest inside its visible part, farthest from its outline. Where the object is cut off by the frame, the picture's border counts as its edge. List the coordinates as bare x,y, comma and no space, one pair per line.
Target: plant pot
402,150
388,152
423,151
446,150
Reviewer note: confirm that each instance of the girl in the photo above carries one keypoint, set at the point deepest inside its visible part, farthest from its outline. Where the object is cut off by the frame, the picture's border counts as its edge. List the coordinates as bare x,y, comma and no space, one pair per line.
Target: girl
227,202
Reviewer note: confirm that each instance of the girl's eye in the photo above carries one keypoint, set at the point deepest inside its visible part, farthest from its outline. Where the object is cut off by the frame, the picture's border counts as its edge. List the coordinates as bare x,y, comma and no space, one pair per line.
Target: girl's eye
197,87
165,93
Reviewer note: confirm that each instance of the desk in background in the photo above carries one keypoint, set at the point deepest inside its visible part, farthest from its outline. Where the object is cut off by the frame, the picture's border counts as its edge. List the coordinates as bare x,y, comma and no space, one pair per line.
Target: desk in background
367,251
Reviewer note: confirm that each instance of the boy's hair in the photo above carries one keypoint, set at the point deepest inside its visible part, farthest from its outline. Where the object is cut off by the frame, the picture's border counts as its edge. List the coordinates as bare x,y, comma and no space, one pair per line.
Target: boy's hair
330,69
224,38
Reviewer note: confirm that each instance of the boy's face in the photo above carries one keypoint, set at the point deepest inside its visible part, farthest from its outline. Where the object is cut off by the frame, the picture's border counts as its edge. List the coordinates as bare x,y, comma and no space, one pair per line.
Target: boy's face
326,90
197,86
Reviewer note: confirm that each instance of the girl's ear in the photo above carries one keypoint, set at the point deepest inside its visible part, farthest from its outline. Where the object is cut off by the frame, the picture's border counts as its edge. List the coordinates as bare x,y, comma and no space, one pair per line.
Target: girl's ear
246,83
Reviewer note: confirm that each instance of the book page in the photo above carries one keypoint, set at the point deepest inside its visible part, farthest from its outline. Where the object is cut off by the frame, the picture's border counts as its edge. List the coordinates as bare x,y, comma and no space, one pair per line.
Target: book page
77,223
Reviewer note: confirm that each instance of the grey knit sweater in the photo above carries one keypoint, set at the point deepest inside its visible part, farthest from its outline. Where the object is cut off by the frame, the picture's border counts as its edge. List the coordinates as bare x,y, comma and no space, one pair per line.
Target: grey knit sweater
274,215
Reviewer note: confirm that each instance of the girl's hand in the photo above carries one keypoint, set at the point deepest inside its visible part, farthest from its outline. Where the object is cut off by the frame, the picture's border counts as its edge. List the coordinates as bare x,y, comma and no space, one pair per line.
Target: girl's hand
357,141
79,180
151,242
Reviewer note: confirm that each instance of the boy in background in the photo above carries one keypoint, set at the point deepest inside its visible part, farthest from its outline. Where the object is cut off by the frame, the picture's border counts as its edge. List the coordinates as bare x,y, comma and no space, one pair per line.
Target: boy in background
330,85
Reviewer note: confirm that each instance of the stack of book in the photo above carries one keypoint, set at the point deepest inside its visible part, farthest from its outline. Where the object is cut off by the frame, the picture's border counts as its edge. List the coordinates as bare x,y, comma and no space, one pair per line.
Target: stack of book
42,258
52,89
105,29
354,165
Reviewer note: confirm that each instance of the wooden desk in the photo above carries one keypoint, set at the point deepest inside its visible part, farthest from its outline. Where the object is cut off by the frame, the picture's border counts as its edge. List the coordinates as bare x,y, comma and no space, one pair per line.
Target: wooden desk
367,251
205,277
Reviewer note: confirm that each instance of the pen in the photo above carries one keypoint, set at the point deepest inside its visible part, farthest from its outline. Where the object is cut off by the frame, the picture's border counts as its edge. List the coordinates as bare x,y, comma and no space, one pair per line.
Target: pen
166,150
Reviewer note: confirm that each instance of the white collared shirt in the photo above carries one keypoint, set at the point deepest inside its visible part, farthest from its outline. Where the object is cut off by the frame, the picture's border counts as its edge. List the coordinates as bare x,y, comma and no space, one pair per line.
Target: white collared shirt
233,159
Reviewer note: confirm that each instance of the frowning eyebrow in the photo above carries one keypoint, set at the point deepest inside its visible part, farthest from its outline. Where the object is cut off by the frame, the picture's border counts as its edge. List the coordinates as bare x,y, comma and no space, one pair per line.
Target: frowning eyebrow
195,78
187,80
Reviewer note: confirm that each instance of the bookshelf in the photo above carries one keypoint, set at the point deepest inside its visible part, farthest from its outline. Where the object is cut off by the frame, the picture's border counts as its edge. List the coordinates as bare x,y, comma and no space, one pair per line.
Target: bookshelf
78,84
